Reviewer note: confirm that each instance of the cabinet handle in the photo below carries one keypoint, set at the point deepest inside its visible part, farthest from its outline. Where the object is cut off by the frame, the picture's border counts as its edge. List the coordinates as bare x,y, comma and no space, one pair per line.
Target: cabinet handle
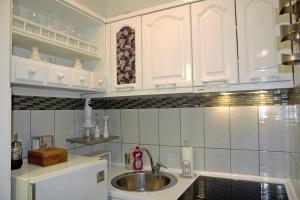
82,79
165,84
100,82
214,80
60,76
129,87
32,72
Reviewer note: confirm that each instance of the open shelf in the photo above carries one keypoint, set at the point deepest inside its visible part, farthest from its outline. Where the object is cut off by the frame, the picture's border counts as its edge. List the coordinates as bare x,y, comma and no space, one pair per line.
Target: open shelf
27,34
91,140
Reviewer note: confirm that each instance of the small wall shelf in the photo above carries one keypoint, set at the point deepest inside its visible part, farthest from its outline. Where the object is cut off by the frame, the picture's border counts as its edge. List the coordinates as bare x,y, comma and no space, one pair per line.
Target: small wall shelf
28,34
91,140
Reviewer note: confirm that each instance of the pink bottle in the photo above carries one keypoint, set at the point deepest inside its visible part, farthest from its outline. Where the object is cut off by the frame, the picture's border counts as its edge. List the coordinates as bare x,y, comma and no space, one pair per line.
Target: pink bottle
137,159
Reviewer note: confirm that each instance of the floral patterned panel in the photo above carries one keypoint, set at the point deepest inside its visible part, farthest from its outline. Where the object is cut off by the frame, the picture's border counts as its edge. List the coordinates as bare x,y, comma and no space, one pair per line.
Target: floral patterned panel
126,71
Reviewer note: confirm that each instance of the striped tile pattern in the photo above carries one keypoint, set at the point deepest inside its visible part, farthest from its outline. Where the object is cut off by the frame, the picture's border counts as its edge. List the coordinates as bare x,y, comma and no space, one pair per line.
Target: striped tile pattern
272,97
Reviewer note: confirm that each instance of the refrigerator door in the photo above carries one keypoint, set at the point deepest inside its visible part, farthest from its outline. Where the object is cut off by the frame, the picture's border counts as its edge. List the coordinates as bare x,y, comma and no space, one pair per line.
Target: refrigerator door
88,183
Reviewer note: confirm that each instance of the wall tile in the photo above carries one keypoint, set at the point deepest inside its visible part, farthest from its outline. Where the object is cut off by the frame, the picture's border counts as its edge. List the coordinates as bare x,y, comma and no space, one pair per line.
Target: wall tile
114,123
154,150
79,118
292,123
42,122
99,147
217,160
170,156
245,162
148,119
83,150
98,118
192,126
116,152
198,159
273,132
169,127
130,126
217,127
244,127
21,125
275,164
64,128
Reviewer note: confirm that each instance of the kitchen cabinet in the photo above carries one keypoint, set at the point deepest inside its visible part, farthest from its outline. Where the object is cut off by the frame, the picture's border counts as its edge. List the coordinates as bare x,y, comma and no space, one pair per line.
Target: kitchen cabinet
57,75
257,41
38,73
64,32
214,42
166,46
28,71
126,63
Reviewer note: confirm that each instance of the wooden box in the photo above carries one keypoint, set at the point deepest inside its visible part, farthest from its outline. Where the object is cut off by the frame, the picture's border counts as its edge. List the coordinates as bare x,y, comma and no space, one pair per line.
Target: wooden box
48,156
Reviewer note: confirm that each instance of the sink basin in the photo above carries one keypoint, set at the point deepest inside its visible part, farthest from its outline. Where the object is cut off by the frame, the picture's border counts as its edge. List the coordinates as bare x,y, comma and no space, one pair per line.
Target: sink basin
144,181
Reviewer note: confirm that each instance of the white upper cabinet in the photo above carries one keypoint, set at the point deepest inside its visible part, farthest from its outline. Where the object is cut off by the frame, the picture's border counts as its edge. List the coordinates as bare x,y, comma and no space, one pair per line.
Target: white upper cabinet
257,39
167,49
214,42
126,64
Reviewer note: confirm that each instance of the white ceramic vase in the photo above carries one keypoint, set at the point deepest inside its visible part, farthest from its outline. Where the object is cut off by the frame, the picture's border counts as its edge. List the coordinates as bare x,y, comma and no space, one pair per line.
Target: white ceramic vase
77,64
35,54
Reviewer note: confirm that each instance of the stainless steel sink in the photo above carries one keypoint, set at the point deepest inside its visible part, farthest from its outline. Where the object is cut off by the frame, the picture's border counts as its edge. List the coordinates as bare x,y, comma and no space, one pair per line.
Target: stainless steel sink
144,181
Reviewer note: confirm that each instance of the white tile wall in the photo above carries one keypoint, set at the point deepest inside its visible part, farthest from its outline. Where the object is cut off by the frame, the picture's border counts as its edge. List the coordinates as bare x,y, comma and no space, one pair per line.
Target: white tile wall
148,119
192,127
245,162
21,125
154,149
114,123
217,160
247,140
244,127
275,164
169,127
64,128
273,133
217,133
170,156
198,154
116,152
42,122
130,126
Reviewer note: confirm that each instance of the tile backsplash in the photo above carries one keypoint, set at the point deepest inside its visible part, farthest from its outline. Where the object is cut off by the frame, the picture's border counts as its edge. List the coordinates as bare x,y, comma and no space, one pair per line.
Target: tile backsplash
248,139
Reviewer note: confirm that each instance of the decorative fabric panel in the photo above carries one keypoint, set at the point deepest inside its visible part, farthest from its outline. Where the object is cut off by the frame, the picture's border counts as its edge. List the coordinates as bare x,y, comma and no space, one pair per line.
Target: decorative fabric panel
126,70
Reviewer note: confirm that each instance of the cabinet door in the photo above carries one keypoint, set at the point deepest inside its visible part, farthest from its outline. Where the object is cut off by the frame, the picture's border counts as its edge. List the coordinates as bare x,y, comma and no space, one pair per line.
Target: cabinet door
58,75
126,67
257,36
167,49
28,71
214,42
97,83
80,79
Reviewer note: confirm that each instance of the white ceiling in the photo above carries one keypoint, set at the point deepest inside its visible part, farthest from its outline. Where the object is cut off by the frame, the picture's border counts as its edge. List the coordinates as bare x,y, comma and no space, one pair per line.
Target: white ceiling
111,8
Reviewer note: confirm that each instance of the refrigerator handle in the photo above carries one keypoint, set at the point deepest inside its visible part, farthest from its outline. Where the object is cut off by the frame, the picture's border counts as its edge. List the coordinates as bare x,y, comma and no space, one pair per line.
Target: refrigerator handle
33,191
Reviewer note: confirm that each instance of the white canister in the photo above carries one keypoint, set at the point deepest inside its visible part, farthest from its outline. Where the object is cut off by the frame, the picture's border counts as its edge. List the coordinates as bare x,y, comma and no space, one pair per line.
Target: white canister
35,54
77,64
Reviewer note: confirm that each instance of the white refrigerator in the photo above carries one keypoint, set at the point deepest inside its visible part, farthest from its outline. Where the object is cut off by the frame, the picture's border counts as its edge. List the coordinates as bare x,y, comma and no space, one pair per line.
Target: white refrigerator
80,178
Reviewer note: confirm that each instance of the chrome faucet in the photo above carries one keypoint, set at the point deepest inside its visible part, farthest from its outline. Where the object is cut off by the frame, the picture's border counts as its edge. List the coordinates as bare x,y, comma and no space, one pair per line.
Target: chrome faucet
154,167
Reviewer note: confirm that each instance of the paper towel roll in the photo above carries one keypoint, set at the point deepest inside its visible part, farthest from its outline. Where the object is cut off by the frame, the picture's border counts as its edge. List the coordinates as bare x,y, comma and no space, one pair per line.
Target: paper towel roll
187,155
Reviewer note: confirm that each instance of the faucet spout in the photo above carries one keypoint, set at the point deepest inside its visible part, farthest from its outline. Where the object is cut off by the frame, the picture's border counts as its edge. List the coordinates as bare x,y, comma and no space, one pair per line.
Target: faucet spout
154,167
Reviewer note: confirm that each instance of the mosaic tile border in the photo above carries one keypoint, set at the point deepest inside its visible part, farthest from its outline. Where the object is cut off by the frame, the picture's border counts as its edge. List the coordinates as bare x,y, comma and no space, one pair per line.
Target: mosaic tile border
272,97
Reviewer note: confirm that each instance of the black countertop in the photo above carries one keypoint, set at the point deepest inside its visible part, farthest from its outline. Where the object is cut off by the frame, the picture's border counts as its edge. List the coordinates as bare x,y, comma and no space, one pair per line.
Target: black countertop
225,189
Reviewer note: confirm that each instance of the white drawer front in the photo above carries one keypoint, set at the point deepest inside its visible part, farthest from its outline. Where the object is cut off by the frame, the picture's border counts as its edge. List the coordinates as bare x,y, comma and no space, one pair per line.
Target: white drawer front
97,82
29,71
80,79
57,75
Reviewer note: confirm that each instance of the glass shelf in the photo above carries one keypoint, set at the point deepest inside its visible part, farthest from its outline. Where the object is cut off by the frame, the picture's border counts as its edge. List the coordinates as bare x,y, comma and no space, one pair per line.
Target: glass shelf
91,140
